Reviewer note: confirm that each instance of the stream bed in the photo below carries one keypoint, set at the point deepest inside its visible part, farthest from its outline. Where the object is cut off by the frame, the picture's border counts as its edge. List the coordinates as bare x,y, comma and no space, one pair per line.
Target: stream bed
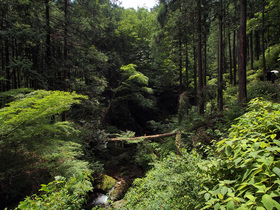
120,170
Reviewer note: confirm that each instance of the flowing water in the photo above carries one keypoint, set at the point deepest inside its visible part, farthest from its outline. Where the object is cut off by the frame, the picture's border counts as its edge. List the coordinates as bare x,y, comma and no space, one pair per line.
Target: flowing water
102,199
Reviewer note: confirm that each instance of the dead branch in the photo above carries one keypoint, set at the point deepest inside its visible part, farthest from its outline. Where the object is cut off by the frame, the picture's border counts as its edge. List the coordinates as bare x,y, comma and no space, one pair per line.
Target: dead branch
144,137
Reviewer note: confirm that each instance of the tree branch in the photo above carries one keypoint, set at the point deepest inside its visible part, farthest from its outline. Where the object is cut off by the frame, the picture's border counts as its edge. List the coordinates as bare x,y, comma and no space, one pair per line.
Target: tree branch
145,137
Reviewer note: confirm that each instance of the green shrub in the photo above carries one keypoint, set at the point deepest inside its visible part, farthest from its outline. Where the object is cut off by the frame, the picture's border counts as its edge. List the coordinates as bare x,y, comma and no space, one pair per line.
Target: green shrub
244,173
11,95
271,58
35,145
60,194
262,89
173,183
254,75
248,172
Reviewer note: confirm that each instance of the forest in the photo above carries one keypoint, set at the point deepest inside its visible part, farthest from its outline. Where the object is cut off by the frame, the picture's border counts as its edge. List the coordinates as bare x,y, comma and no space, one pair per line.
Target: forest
173,107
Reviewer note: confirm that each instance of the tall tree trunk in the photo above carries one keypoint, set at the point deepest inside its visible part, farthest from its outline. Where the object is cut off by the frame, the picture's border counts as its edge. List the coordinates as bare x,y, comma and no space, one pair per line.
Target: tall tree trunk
48,46
2,53
14,70
234,58
180,63
257,45
199,59
263,47
2,64
220,61
251,51
187,68
7,62
65,52
242,54
195,74
230,60
224,40
205,60
180,53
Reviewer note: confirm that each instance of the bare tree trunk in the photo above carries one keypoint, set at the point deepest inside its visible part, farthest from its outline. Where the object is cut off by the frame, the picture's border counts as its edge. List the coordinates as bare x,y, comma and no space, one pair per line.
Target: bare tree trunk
199,60
65,51
3,64
48,46
242,54
220,61
205,60
257,45
180,54
180,63
251,51
234,58
224,40
195,74
14,71
263,47
187,68
230,60
7,62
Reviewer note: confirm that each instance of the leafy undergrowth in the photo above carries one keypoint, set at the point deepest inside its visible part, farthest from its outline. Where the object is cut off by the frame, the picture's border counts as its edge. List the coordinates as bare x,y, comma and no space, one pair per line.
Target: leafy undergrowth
172,184
60,194
249,168
243,172
35,146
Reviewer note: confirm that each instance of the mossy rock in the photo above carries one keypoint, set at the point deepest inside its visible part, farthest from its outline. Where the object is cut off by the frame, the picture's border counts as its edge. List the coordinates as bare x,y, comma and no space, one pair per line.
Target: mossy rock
104,183
120,189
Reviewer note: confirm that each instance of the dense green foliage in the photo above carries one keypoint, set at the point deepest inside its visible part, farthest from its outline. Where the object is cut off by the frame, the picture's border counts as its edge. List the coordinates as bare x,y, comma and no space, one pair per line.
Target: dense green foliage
249,161
35,146
74,73
243,174
60,194
173,183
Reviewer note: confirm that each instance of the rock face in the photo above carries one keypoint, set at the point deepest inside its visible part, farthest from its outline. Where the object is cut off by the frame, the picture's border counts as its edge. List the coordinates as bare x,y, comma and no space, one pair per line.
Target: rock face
119,190
104,183
103,186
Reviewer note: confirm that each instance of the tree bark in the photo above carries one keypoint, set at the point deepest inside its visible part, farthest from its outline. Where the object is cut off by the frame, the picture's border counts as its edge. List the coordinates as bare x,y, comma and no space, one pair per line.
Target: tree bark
230,60
257,45
180,63
251,51
187,68
2,65
7,62
180,53
263,47
48,45
65,52
242,54
199,59
234,58
205,60
220,61
195,74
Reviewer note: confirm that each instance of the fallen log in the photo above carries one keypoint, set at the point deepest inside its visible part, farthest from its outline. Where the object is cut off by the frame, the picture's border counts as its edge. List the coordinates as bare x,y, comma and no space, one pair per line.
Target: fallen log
157,136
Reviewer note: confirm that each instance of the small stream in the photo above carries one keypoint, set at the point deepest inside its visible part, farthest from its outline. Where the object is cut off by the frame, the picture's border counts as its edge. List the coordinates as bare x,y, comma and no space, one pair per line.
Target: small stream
120,164
102,199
